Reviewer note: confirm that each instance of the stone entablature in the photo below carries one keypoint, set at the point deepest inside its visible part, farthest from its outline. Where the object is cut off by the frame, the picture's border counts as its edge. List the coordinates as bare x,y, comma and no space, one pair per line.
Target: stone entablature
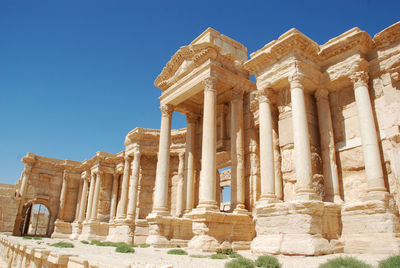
313,149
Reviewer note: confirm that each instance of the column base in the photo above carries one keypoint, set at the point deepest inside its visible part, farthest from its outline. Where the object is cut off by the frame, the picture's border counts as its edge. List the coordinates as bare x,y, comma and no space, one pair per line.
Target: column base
141,231
296,228
62,229
371,227
211,229
121,231
307,195
76,230
94,230
207,206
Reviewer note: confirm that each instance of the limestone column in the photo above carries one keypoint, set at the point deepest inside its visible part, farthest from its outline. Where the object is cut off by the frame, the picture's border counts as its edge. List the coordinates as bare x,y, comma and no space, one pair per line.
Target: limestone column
78,200
372,158
304,190
63,196
207,191
162,173
328,152
121,209
96,194
84,196
267,164
180,189
25,177
114,196
90,199
189,160
237,152
134,185
222,133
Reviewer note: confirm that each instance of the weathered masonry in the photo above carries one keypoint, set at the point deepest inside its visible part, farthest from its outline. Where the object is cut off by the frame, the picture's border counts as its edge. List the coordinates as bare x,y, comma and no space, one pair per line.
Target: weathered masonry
312,151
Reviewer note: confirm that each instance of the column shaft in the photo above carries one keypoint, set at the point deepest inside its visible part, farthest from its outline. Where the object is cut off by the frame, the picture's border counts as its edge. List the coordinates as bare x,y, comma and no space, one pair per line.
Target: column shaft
78,200
369,138
133,186
189,161
25,176
180,193
114,195
207,191
121,210
237,152
90,199
328,152
63,196
96,194
83,199
301,140
267,165
162,173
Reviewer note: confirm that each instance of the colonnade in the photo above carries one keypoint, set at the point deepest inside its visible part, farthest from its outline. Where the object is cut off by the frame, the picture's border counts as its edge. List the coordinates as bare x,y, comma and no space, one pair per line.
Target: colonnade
208,180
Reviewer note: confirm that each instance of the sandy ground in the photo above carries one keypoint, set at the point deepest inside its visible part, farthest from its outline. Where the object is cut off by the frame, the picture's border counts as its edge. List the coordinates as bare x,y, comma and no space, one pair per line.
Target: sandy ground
156,258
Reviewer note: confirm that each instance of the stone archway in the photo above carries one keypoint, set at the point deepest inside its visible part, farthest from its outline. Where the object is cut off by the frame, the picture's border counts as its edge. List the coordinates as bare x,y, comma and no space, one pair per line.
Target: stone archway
36,219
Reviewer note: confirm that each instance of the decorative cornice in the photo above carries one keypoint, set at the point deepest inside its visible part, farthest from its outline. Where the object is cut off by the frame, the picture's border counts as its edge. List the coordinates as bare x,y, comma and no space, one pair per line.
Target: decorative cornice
387,36
292,40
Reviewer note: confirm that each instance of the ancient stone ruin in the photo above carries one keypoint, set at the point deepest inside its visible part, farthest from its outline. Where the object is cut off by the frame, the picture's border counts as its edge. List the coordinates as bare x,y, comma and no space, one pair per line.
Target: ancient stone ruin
311,153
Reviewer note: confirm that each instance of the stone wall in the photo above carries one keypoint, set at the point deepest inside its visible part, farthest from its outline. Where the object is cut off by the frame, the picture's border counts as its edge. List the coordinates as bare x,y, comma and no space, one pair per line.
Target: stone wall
8,208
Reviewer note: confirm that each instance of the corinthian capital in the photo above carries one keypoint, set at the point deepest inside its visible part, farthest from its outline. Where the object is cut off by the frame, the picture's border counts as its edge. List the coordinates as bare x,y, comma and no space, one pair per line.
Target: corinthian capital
321,93
296,80
359,79
167,110
191,117
210,84
265,95
237,93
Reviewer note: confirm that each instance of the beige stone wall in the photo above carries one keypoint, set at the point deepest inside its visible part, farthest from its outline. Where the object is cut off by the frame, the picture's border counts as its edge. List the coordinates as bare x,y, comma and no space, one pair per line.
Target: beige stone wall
8,208
147,180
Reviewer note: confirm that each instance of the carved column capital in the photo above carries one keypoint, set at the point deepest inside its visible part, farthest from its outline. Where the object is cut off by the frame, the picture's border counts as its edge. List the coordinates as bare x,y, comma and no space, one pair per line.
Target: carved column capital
321,93
65,175
192,117
167,110
296,80
265,95
237,94
210,84
359,78
136,152
127,158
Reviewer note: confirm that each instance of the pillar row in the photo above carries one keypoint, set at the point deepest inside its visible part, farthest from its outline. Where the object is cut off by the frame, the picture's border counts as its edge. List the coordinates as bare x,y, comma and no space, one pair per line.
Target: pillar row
162,173
369,139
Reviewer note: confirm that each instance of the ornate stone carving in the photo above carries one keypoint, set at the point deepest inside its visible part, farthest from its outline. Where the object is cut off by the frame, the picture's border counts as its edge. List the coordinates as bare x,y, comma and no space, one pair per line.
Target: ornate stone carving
265,95
321,93
359,79
296,80
167,109
210,84
192,118
237,93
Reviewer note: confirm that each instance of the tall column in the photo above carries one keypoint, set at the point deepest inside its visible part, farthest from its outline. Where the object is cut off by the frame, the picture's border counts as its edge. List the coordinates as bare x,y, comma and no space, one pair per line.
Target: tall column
96,194
114,196
372,158
267,165
180,189
121,209
189,160
237,152
162,175
25,176
207,191
78,201
90,199
134,185
63,196
222,131
328,153
82,206
301,140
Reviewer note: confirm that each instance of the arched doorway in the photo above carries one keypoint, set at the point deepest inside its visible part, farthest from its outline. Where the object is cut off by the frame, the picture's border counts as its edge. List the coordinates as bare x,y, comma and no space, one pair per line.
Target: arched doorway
36,220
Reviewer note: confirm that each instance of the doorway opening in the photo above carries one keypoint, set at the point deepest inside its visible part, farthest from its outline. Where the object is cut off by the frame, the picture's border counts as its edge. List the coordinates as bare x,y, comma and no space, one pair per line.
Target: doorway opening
225,188
37,219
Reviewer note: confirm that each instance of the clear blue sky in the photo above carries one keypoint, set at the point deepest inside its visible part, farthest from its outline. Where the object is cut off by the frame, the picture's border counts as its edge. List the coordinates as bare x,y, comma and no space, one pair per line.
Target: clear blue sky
77,76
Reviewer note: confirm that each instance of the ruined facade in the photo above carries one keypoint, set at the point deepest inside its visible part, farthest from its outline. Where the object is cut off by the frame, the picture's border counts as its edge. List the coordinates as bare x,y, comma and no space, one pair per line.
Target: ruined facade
313,149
